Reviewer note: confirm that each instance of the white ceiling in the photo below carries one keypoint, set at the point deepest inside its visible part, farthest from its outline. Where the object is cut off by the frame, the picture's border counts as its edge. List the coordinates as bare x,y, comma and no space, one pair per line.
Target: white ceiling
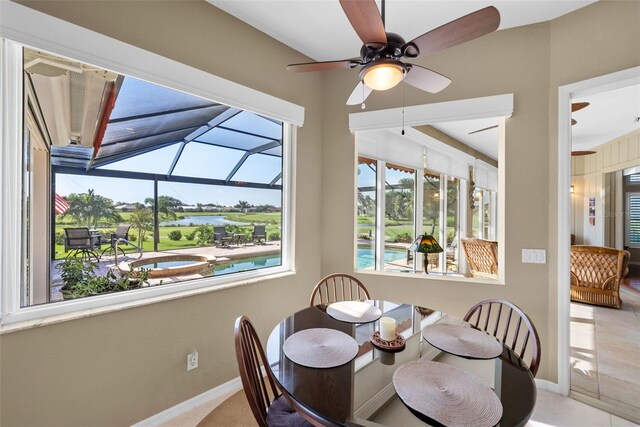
486,142
320,30
609,115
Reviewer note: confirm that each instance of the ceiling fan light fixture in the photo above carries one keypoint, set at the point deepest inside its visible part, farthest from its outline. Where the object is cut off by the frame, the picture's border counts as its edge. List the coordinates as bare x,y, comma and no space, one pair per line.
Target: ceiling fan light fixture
383,74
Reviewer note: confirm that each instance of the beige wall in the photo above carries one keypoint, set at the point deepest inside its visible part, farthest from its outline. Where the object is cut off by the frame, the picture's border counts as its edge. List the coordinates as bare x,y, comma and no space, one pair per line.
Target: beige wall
118,368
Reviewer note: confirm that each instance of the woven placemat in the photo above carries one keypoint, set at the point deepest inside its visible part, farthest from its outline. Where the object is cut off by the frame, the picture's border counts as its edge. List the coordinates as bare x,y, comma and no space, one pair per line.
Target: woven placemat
447,394
462,341
354,311
320,348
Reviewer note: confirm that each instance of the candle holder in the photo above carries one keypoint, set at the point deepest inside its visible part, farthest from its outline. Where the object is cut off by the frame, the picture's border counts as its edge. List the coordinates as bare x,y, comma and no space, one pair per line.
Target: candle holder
397,344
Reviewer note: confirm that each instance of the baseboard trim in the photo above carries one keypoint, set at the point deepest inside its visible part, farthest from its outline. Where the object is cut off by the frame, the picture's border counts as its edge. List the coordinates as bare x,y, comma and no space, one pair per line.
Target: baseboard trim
220,393
548,385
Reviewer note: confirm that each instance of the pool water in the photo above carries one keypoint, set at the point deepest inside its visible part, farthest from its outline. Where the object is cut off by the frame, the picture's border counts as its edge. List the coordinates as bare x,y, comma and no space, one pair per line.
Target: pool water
166,264
245,264
366,257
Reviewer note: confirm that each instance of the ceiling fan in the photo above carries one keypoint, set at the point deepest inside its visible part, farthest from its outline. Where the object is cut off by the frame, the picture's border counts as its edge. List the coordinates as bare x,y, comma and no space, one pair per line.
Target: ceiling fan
381,54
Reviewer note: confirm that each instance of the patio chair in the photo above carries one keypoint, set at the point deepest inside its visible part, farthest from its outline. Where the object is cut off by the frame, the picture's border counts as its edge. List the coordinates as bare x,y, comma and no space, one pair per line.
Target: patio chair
259,234
220,237
79,240
122,232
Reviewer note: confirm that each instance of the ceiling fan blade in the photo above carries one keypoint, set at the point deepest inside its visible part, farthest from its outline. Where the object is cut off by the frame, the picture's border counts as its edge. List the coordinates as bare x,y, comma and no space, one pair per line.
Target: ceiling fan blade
359,94
365,19
483,129
577,106
582,153
426,79
345,64
469,27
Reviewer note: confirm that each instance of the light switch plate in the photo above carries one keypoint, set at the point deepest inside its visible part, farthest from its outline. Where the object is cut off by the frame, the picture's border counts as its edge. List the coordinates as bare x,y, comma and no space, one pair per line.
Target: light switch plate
534,256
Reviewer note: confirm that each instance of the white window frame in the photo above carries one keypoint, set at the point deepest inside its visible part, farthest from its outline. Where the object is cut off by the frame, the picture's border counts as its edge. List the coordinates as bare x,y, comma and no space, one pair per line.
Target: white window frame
22,26
500,106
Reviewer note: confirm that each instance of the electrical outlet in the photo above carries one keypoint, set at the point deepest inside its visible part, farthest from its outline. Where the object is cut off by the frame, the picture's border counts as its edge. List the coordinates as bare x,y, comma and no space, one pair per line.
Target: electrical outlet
192,360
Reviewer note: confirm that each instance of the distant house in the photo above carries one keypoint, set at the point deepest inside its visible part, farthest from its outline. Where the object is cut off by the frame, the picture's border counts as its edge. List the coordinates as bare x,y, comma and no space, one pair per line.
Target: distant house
128,207
188,208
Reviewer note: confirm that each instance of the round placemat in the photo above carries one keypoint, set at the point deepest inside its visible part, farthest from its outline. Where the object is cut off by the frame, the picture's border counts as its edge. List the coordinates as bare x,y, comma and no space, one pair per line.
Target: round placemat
320,348
354,311
447,394
462,341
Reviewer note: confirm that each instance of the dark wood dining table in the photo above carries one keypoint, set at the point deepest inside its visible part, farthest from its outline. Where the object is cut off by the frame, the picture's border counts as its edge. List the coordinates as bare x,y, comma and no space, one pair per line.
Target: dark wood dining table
361,392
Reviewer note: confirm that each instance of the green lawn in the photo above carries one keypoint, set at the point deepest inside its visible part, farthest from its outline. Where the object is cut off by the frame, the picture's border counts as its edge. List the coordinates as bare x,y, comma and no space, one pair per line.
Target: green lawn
271,219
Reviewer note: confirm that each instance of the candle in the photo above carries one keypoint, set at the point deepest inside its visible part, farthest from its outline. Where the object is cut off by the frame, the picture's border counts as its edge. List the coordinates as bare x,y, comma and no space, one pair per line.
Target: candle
387,328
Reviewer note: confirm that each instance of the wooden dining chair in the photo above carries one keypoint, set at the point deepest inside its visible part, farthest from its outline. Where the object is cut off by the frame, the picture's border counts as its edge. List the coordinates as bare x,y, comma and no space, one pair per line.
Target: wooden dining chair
338,287
507,322
268,405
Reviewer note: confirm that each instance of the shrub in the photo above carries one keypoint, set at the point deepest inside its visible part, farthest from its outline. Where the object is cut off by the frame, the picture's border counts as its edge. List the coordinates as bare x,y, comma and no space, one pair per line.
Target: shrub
132,237
175,235
205,235
274,235
190,236
60,238
80,279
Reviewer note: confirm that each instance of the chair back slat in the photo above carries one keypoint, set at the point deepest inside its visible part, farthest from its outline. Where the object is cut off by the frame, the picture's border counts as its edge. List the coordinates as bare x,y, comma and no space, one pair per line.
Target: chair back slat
338,287
260,389
496,323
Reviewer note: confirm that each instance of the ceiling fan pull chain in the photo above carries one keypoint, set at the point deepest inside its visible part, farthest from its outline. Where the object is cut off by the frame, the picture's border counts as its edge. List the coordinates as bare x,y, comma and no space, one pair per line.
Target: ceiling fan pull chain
403,107
363,106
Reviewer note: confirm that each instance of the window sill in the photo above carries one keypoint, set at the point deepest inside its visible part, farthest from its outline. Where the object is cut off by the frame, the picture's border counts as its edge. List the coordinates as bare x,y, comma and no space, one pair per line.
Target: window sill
434,276
49,314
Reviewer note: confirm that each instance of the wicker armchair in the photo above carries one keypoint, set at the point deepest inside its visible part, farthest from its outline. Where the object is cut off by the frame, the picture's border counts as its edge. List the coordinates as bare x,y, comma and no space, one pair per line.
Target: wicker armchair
596,273
482,257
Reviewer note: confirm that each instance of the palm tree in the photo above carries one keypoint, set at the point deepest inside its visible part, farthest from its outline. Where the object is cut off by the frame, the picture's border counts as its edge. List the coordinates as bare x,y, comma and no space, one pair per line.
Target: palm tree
142,219
88,209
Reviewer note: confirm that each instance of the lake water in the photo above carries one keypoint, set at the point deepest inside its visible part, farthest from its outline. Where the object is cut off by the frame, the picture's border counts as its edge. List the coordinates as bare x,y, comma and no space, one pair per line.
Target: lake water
203,220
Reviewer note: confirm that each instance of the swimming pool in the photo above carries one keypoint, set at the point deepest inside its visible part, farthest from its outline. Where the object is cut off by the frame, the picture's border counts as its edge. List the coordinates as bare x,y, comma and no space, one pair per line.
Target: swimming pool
246,264
365,256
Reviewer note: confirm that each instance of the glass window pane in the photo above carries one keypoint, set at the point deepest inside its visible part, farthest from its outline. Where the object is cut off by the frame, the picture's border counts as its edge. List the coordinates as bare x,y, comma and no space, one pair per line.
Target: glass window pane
227,138
253,123
453,224
206,161
259,168
431,216
398,230
137,97
366,232
156,161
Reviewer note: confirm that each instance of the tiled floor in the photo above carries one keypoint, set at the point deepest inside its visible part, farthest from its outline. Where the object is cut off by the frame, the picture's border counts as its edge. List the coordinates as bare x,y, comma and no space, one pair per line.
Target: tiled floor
551,410
605,349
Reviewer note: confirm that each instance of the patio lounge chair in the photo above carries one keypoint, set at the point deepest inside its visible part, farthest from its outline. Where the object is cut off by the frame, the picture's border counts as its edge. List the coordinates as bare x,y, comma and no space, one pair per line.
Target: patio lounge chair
79,240
122,232
259,234
220,237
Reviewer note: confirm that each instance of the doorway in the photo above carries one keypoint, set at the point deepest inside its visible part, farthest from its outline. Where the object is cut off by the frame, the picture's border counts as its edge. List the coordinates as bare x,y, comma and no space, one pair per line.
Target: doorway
593,370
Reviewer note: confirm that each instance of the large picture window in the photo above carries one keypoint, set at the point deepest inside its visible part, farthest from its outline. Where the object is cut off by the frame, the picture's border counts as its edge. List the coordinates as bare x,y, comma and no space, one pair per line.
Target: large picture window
128,184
